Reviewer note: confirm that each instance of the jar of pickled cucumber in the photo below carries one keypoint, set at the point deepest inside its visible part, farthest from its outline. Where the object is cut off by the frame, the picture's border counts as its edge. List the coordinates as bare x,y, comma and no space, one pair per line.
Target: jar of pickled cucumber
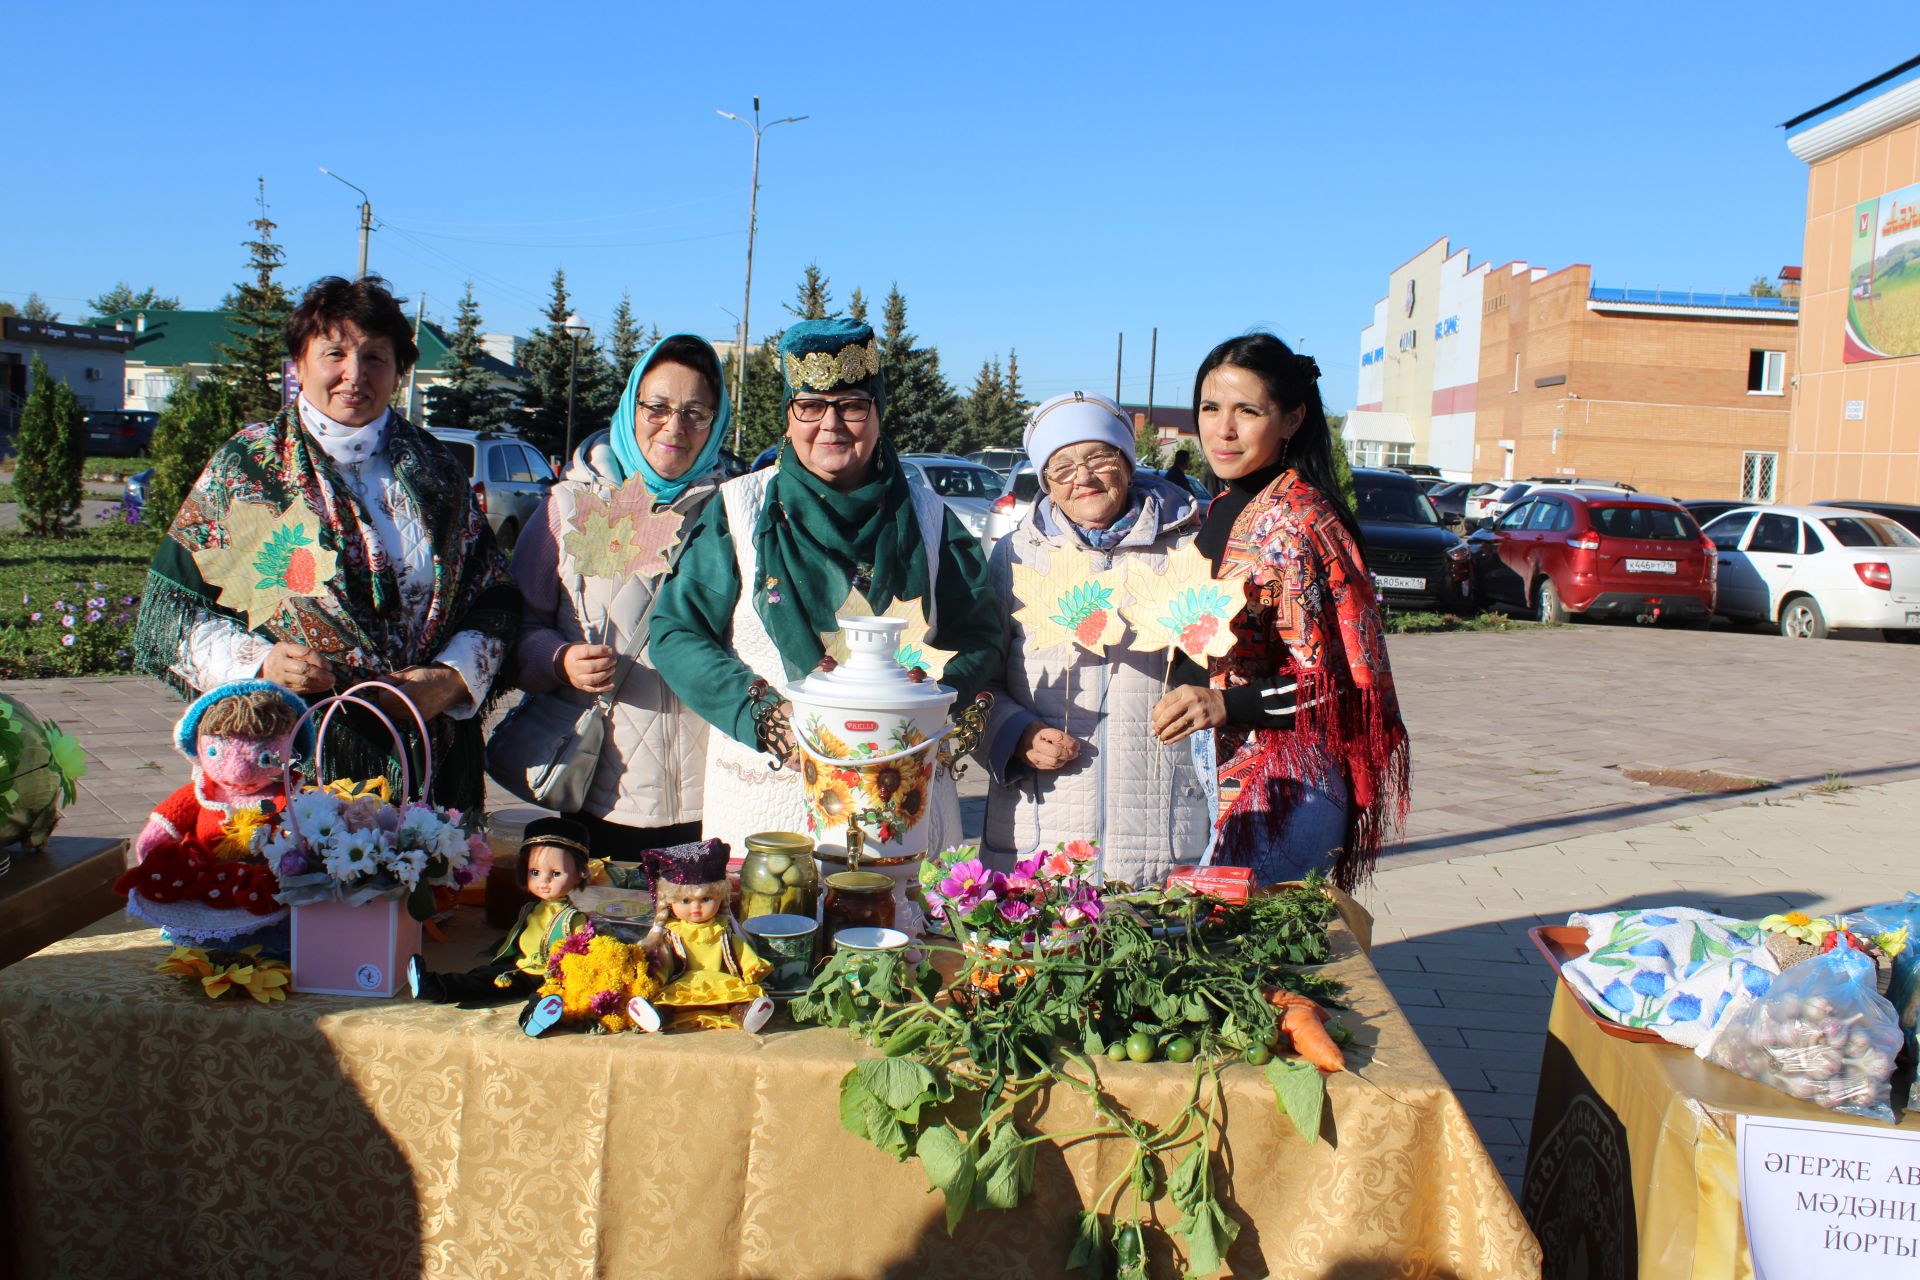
778,876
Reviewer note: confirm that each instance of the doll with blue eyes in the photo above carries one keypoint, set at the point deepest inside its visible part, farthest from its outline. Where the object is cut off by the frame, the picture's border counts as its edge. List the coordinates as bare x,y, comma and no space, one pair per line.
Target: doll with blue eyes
237,736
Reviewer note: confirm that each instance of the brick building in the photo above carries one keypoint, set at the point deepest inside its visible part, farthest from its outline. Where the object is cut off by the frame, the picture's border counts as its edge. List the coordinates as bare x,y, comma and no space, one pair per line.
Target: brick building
1675,393
1855,430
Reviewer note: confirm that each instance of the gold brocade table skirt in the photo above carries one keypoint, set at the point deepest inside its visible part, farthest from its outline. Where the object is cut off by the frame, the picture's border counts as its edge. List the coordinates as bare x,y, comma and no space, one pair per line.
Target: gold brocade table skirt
149,1131
1631,1169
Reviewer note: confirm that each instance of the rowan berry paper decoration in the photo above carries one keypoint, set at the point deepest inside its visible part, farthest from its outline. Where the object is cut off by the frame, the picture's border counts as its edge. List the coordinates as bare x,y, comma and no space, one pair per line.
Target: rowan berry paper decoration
1067,603
1182,607
271,557
914,651
618,535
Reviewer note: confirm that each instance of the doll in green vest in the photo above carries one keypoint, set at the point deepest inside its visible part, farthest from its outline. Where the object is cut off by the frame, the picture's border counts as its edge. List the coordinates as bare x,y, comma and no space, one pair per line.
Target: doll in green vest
553,863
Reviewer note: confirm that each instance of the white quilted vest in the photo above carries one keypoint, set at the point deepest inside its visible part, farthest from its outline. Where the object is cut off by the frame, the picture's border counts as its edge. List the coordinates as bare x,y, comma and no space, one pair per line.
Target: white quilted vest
653,759
743,796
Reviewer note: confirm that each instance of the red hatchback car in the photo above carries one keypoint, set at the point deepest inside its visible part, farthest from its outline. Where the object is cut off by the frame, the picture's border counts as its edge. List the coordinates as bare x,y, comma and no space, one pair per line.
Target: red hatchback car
1609,555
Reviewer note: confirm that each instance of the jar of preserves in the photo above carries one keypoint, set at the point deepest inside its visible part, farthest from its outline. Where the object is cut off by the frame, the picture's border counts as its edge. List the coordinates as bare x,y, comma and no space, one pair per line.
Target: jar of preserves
856,898
778,876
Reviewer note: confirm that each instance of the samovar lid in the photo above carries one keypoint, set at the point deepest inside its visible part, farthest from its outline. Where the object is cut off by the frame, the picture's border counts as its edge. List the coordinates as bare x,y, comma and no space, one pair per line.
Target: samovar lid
871,678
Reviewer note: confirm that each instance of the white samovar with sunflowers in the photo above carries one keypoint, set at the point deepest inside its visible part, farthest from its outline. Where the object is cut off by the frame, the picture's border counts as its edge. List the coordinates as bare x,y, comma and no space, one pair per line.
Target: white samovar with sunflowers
877,749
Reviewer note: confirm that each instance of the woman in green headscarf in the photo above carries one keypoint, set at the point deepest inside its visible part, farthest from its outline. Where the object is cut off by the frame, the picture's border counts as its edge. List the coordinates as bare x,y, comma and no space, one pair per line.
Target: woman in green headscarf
588,572
785,550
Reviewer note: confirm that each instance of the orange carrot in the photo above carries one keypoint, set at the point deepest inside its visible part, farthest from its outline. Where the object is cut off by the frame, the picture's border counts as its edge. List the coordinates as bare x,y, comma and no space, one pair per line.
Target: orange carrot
1303,1021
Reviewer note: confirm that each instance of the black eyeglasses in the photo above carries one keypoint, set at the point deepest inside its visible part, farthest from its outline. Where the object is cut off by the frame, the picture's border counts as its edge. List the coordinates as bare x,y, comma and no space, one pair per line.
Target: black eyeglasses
851,410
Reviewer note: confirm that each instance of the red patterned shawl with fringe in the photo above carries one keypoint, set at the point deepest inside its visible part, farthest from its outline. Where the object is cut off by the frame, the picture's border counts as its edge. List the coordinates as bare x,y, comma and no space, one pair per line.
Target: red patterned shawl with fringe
1311,616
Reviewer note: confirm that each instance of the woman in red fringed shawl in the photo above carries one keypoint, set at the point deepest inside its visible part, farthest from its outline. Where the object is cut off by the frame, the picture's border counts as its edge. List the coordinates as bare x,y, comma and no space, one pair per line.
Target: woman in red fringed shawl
1312,756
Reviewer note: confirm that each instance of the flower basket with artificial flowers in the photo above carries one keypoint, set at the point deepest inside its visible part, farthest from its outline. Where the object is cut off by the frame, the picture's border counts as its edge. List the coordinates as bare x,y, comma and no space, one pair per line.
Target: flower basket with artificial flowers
348,855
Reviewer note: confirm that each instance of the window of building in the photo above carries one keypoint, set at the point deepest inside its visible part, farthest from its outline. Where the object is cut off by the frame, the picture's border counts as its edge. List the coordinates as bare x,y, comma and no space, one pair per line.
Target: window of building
1757,472
1766,373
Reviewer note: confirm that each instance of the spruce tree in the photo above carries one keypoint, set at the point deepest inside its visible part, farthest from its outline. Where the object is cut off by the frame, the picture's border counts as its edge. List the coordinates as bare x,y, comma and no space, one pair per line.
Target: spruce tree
624,343
251,363
37,309
468,400
197,419
123,297
857,307
50,443
923,413
549,358
1146,444
812,300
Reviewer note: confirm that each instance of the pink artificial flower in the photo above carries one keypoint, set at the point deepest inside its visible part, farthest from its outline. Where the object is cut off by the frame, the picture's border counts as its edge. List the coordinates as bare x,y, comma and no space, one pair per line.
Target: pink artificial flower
968,884
1081,850
1059,865
1029,867
479,856
1015,912
1085,907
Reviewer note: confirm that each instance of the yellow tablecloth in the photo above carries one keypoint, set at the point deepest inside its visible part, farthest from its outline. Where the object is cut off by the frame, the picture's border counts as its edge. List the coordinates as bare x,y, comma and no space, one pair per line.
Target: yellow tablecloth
150,1131
1631,1168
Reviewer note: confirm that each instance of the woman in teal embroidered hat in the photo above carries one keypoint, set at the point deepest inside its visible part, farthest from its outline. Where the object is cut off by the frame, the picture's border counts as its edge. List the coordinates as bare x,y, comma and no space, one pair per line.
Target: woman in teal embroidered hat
770,565
588,572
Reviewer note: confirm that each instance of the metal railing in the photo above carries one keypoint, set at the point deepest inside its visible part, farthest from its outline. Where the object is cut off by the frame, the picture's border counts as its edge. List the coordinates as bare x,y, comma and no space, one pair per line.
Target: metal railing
1692,298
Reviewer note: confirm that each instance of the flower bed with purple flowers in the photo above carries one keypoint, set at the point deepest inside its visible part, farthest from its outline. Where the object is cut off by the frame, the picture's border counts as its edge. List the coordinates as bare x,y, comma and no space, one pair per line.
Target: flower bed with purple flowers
68,605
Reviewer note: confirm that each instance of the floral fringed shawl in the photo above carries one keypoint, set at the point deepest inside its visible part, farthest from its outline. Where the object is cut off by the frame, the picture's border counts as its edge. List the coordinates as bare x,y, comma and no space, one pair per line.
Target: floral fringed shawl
1311,616
354,614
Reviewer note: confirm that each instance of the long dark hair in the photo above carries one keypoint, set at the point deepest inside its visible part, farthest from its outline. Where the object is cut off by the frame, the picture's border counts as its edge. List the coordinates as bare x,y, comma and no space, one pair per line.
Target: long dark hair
1291,380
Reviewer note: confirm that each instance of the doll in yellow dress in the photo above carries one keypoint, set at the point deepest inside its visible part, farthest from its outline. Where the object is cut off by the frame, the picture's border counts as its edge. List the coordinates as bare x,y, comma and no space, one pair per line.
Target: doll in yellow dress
714,971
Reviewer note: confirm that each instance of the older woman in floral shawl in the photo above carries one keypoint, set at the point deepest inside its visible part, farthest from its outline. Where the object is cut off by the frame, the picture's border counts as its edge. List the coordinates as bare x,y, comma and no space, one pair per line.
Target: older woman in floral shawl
338,543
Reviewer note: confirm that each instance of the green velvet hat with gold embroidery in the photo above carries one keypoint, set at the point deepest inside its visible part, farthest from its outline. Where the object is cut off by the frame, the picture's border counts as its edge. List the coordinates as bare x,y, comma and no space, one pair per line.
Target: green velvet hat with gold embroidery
830,356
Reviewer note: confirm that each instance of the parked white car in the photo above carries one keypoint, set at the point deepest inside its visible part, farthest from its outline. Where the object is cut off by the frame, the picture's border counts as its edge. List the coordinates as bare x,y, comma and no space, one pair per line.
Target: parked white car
966,487
1812,570
1497,504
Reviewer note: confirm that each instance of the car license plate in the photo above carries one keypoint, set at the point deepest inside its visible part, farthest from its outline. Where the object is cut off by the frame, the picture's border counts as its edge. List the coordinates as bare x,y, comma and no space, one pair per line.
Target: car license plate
1913,617
1385,583
1650,566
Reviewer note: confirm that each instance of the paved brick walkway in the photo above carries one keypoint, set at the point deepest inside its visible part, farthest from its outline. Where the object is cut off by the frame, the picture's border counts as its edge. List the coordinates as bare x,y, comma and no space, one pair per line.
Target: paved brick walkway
1521,813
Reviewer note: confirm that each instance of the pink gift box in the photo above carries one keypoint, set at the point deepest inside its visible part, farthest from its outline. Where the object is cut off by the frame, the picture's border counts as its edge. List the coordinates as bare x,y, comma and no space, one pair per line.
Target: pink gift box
353,951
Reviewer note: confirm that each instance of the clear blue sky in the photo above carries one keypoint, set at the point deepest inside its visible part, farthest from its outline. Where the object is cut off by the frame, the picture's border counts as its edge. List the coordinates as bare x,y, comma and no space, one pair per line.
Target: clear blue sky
1037,177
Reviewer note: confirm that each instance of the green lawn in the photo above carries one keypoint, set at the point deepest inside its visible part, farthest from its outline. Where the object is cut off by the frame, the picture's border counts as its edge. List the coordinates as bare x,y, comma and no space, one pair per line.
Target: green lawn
57,578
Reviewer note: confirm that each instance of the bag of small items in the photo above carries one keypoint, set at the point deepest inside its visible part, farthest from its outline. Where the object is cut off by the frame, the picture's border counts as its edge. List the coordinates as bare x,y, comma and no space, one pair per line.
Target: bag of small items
1821,1033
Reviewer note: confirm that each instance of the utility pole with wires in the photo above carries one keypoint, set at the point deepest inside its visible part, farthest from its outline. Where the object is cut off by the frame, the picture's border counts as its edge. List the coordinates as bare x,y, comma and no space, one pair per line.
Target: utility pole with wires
753,222
419,318
1119,350
1153,360
366,219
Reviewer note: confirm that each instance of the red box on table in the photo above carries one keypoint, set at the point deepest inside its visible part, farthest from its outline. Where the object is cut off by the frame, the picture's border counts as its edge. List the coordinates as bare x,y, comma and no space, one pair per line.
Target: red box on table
1228,884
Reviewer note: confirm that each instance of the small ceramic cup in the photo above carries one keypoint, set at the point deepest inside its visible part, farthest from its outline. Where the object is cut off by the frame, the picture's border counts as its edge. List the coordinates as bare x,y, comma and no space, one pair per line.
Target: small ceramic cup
786,942
866,938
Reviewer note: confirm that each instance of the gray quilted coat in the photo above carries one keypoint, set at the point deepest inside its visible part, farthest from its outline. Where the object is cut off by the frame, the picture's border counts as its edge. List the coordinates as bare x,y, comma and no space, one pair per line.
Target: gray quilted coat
1139,799
653,762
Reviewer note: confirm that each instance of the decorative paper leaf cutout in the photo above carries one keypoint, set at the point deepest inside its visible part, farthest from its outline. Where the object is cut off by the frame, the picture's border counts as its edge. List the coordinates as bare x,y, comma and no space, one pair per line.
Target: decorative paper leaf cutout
619,535
270,558
1067,604
1182,607
914,651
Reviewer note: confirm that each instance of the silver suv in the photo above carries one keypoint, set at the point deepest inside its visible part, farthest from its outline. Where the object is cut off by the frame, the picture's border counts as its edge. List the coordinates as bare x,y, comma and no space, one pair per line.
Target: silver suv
510,478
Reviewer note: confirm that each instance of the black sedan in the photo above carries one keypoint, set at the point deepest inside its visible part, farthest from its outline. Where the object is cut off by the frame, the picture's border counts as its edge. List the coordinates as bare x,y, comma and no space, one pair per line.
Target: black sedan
1416,562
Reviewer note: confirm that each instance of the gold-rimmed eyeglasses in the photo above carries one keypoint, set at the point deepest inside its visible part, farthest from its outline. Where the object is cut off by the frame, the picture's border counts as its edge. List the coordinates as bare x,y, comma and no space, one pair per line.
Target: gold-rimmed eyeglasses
696,416
1104,466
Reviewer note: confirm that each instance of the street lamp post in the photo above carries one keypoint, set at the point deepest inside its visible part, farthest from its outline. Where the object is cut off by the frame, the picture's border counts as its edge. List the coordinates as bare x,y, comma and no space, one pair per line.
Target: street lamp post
753,222
366,218
576,331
